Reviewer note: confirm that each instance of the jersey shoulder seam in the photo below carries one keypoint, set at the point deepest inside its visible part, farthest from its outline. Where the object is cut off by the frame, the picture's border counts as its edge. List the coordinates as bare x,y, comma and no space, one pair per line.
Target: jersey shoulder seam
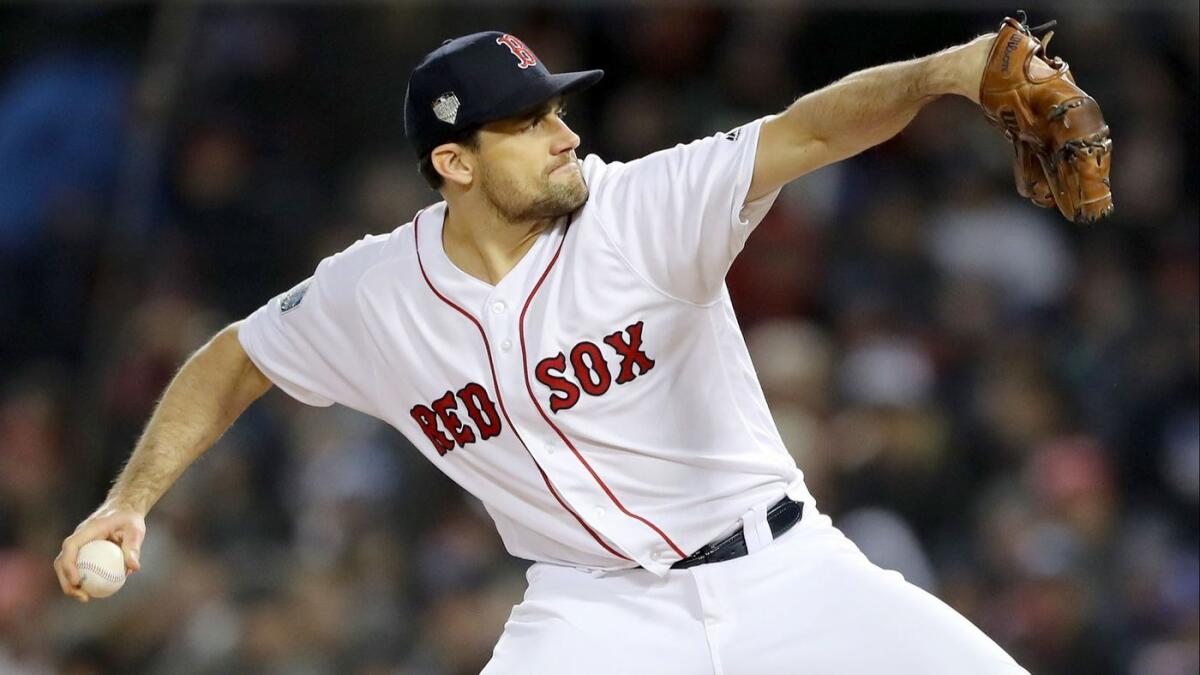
642,277
382,257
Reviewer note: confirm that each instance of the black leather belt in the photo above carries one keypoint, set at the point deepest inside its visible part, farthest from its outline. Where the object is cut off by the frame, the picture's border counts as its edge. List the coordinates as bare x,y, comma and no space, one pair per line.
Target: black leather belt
782,515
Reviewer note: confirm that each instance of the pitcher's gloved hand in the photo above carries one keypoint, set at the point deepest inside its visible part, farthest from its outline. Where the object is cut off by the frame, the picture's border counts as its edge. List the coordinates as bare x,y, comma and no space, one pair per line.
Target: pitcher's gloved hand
1061,144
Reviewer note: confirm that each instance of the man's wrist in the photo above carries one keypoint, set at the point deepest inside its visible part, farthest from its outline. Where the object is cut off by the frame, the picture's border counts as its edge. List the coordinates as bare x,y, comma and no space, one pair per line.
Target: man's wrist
124,502
958,70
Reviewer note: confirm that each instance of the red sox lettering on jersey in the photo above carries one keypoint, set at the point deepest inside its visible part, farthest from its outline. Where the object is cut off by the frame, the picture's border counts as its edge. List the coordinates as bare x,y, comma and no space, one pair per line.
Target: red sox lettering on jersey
443,426
441,417
591,368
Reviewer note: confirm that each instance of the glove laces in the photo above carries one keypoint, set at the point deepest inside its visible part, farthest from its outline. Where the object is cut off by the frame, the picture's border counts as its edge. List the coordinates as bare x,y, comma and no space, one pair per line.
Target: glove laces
1025,28
1035,29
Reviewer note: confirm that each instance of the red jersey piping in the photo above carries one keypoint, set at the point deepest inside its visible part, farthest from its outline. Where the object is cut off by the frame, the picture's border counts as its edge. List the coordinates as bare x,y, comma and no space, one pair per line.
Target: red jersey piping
533,397
496,385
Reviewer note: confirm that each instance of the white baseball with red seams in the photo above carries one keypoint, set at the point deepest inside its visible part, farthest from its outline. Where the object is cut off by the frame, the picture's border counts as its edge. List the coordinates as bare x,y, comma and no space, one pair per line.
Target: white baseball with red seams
601,403
101,566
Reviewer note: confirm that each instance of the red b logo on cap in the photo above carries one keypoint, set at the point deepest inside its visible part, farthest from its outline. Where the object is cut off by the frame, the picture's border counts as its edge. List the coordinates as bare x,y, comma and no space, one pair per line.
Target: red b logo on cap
525,58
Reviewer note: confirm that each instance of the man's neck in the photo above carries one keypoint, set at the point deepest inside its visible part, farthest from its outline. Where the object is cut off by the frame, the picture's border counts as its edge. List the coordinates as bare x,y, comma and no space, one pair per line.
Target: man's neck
484,244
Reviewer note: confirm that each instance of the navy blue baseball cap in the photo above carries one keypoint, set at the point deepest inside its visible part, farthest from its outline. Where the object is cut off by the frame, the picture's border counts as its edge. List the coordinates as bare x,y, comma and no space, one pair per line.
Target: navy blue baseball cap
475,79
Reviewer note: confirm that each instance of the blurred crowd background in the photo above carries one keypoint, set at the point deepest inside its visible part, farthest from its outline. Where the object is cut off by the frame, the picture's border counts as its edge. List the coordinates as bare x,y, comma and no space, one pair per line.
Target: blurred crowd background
999,404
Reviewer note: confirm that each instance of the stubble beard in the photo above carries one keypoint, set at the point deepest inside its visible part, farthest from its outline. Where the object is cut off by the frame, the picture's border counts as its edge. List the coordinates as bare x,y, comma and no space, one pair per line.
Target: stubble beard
548,201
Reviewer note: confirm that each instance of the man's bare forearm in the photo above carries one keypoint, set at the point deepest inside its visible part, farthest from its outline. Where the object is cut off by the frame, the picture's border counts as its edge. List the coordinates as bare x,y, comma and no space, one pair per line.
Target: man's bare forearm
866,108
860,111
212,389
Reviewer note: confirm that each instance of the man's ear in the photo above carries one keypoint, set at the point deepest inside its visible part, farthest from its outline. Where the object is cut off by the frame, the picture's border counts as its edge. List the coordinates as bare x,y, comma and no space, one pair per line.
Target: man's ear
455,163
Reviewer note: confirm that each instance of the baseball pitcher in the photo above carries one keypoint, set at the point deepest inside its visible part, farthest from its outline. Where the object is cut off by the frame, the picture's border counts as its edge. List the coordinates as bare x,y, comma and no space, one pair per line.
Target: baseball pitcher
556,336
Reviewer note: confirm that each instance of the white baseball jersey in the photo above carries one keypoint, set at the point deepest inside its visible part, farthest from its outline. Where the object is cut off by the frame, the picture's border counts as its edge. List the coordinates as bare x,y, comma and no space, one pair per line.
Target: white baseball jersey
599,400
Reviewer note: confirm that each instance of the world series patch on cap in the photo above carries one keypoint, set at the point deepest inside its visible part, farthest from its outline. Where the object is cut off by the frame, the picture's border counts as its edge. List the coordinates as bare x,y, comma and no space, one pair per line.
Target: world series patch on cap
446,107
479,78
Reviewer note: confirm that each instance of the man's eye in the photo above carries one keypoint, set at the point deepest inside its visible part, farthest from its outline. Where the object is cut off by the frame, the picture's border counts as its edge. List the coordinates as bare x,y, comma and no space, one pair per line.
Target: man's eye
537,121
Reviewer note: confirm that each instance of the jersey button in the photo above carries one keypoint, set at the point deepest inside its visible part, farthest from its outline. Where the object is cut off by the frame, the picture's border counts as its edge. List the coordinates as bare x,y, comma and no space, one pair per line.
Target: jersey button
497,307
598,512
506,345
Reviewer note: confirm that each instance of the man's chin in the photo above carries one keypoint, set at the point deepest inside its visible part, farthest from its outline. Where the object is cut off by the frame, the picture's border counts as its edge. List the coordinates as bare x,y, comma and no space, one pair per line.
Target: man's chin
570,198
568,179
579,202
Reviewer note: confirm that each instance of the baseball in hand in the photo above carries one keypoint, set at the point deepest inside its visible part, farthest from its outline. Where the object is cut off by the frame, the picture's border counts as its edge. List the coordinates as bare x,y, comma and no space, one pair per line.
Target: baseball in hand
101,568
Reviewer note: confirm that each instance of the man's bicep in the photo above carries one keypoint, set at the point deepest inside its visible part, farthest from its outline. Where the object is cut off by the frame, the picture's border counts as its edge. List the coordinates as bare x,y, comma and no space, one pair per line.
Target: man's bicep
309,341
290,355
252,381
785,154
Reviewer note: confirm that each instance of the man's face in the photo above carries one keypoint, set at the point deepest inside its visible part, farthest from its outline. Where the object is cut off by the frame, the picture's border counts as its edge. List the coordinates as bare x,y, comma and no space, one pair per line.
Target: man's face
528,169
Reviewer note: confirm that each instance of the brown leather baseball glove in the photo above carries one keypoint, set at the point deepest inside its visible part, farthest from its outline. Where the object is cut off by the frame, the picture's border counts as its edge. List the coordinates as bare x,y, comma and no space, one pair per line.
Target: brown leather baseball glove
1061,145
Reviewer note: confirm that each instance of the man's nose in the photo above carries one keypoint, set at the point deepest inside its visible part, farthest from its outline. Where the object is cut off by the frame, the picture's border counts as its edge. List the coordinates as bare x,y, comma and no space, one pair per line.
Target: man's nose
565,140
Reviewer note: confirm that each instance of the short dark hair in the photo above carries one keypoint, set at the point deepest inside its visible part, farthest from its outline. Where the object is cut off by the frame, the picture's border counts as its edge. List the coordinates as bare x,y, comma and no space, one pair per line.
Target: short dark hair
469,137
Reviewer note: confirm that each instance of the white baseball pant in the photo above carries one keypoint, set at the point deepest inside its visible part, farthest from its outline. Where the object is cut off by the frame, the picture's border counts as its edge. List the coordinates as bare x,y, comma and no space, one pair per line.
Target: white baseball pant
808,603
